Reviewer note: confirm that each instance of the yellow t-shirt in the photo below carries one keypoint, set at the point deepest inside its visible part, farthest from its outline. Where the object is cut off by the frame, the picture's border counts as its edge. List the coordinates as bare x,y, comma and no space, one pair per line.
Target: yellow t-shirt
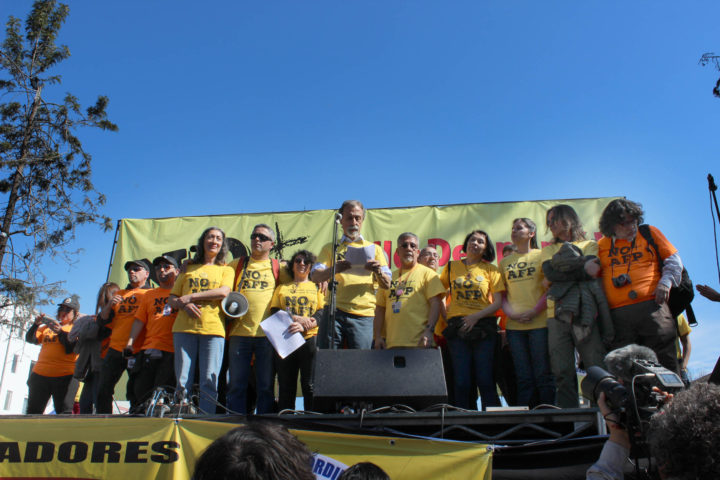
588,247
413,289
355,293
683,329
522,273
303,299
257,283
471,286
201,278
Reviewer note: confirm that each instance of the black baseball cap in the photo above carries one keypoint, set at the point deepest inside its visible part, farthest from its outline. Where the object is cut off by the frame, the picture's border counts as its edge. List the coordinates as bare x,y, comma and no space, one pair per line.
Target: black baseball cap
166,258
71,303
143,262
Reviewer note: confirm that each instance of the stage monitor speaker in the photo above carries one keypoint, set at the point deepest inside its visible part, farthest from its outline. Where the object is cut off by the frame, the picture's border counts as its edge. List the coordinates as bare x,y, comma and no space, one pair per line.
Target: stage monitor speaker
376,378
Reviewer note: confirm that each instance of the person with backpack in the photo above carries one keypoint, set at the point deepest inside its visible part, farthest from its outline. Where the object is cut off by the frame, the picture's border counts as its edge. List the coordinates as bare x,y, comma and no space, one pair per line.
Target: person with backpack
639,267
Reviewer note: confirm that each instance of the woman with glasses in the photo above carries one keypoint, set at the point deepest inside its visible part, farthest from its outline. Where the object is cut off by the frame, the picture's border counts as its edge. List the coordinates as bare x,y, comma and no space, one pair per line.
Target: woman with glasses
476,288
302,299
526,311
199,330
52,374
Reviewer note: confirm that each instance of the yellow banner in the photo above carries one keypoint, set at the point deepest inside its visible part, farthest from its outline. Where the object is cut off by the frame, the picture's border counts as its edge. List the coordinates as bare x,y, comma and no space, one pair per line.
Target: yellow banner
442,226
163,448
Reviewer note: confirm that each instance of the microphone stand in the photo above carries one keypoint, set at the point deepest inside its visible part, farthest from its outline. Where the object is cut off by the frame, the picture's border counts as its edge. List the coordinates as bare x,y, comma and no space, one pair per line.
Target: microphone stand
333,283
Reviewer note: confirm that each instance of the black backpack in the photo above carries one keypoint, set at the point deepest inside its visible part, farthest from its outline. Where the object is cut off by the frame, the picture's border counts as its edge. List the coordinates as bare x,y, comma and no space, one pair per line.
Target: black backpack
683,294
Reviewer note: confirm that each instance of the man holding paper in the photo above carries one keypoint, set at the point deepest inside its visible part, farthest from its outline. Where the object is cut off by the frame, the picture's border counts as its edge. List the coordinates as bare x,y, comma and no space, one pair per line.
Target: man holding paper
409,309
361,268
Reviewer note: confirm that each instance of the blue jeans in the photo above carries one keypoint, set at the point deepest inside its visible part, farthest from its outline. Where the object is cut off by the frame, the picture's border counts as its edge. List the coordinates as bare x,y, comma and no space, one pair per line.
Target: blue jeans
241,353
478,354
358,331
205,351
529,350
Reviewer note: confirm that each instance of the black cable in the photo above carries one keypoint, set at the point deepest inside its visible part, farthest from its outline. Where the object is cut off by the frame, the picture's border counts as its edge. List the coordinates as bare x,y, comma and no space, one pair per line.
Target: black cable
713,199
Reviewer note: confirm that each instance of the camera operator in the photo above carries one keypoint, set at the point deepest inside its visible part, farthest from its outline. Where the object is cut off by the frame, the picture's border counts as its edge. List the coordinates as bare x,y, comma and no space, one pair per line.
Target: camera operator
680,436
683,438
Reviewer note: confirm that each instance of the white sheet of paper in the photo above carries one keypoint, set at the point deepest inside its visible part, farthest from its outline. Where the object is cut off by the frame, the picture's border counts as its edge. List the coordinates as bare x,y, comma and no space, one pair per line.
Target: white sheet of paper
358,257
276,329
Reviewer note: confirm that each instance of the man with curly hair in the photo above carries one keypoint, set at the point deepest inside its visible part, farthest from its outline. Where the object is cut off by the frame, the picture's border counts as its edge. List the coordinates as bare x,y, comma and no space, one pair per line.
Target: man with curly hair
636,282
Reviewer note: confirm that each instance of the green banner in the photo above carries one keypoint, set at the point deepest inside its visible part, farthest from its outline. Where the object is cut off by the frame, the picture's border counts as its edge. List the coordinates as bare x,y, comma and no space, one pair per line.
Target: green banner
443,226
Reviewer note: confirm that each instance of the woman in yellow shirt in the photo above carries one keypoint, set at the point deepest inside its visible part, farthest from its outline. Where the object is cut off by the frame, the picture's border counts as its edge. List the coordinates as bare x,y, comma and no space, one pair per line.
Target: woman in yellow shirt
475,287
199,330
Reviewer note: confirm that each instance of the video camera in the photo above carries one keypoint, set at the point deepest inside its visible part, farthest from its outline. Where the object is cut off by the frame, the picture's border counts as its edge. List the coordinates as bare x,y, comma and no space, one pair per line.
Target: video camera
633,400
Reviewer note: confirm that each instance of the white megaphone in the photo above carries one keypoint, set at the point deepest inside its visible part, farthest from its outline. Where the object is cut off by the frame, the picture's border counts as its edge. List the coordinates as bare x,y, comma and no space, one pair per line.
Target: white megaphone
235,305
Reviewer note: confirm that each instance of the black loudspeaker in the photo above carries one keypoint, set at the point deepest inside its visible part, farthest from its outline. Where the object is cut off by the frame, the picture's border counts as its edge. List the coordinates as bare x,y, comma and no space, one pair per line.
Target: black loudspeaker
376,378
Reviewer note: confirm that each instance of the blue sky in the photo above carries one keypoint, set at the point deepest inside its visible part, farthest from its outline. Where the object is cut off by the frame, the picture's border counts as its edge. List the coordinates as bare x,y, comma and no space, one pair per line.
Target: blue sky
236,106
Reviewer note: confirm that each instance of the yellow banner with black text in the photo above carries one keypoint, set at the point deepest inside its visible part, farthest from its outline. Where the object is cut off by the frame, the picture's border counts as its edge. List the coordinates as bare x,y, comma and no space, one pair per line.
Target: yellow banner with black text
163,448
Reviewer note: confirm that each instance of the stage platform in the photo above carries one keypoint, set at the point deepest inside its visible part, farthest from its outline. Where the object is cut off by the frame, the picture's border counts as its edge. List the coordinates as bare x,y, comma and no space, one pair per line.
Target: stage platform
537,444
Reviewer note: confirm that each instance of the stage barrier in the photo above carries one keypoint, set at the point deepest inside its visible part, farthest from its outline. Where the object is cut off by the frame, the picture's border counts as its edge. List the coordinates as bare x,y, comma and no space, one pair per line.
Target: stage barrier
165,448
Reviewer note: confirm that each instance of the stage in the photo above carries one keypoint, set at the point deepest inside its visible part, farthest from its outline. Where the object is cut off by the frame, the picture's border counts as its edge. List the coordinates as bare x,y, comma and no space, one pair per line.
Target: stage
440,442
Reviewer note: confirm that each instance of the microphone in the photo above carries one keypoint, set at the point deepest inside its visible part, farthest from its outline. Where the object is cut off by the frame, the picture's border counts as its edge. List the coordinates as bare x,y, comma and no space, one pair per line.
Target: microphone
338,217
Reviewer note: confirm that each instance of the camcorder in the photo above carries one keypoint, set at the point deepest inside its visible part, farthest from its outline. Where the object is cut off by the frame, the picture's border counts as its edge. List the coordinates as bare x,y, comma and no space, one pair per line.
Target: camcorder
634,402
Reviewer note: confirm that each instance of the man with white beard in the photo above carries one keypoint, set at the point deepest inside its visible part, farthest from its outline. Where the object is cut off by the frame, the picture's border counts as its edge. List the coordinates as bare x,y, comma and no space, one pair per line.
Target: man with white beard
355,305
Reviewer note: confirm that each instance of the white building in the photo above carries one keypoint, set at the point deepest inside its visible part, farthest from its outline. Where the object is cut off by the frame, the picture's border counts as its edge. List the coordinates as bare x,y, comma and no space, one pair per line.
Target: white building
17,358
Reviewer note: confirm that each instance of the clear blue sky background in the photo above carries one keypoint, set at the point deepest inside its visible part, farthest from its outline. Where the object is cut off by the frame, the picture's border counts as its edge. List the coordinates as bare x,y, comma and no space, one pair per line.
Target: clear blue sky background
236,106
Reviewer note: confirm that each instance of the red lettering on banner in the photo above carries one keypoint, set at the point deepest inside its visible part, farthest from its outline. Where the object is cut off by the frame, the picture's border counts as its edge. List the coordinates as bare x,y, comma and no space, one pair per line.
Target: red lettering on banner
499,249
458,253
598,235
444,248
387,248
545,244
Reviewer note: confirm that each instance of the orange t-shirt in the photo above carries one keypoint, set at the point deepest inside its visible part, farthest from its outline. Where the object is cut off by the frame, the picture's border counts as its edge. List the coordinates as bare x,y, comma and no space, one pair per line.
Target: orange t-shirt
53,361
158,326
122,322
638,260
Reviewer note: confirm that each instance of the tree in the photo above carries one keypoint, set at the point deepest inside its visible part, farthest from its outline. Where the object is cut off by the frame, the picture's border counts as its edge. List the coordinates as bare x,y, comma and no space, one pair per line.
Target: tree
46,189
710,57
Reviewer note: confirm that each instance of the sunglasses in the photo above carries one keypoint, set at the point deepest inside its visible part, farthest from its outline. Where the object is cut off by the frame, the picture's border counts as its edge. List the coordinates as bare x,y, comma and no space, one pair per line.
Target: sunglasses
410,245
260,236
303,261
163,266
135,269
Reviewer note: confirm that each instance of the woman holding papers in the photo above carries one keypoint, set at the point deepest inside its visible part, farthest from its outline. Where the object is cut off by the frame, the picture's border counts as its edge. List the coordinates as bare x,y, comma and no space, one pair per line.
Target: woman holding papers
199,330
476,288
301,299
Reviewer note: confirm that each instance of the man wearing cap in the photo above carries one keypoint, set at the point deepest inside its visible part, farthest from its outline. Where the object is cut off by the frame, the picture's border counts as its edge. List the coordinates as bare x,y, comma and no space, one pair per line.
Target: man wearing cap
409,308
120,319
52,374
154,365
355,299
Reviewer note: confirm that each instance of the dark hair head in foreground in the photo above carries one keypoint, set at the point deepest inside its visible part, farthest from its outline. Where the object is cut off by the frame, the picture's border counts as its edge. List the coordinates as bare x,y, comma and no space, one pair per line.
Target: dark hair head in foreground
684,436
364,471
256,451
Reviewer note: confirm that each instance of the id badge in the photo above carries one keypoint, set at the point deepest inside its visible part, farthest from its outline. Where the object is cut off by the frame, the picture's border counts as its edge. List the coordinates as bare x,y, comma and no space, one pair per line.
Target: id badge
396,307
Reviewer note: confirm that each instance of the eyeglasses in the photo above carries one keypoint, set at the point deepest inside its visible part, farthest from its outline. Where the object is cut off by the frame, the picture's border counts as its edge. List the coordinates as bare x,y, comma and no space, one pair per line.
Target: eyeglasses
301,260
260,236
409,245
430,254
